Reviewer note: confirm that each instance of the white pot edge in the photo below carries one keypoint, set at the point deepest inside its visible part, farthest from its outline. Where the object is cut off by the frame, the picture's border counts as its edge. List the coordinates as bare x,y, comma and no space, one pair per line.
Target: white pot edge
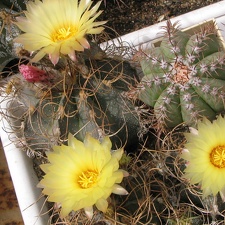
215,11
23,176
20,166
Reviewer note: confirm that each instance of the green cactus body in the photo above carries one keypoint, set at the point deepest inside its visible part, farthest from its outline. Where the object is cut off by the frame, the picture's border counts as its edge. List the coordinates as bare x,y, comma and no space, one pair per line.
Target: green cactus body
184,77
93,103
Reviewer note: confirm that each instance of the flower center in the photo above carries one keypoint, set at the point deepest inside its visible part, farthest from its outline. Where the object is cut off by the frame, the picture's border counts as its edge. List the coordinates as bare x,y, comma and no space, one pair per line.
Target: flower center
88,178
217,156
182,72
63,33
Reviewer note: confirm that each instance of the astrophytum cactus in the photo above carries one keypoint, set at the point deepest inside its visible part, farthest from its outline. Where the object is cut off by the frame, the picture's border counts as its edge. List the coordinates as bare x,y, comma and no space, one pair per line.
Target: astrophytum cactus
184,76
87,96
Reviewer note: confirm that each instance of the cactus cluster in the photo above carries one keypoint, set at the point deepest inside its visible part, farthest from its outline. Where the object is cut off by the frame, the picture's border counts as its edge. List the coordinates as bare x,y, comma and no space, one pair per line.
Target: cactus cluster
182,80
184,76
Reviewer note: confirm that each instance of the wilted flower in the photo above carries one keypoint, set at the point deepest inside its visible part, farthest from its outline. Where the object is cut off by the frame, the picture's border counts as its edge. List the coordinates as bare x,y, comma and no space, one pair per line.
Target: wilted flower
33,74
205,153
83,174
58,26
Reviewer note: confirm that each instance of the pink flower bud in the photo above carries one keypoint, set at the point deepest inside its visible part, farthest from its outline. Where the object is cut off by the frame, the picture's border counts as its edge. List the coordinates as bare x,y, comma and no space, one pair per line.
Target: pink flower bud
33,74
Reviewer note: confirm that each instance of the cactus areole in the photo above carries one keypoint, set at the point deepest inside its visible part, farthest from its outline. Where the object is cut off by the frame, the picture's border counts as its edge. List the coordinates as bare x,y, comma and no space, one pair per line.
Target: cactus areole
184,76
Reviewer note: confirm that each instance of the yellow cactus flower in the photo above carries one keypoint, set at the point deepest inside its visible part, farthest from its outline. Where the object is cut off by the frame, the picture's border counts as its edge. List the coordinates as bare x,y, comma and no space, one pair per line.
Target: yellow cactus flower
58,26
83,174
205,153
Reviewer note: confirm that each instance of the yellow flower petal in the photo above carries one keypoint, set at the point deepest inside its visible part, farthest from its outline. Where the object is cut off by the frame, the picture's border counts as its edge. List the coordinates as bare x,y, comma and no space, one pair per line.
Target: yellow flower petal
81,175
59,25
205,153
102,204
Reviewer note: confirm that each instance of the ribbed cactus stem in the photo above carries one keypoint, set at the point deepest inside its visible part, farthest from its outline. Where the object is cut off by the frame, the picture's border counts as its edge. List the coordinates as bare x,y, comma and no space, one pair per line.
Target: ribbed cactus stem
184,77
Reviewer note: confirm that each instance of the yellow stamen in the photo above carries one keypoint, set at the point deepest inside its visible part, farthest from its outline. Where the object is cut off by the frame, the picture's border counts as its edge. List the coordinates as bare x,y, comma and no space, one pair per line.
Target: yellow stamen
217,156
88,178
63,33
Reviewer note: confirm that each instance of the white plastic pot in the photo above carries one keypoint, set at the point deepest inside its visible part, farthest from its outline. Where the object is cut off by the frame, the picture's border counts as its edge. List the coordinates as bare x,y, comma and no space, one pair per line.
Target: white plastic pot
20,165
23,176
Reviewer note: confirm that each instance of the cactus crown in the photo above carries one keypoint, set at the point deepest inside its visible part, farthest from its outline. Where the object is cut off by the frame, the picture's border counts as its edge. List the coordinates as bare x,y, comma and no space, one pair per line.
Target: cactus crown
184,75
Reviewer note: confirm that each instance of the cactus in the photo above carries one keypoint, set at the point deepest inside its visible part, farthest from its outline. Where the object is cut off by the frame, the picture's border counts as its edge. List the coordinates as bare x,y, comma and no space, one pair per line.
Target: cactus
184,77
8,31
88,98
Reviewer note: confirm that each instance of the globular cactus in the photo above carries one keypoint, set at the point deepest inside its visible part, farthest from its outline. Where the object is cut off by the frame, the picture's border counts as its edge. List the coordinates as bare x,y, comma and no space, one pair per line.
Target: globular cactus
8,31
184,76
85,96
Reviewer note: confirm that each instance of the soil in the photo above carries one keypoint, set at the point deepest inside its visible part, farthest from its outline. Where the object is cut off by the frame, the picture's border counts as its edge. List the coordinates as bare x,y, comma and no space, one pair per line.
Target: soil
125,16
